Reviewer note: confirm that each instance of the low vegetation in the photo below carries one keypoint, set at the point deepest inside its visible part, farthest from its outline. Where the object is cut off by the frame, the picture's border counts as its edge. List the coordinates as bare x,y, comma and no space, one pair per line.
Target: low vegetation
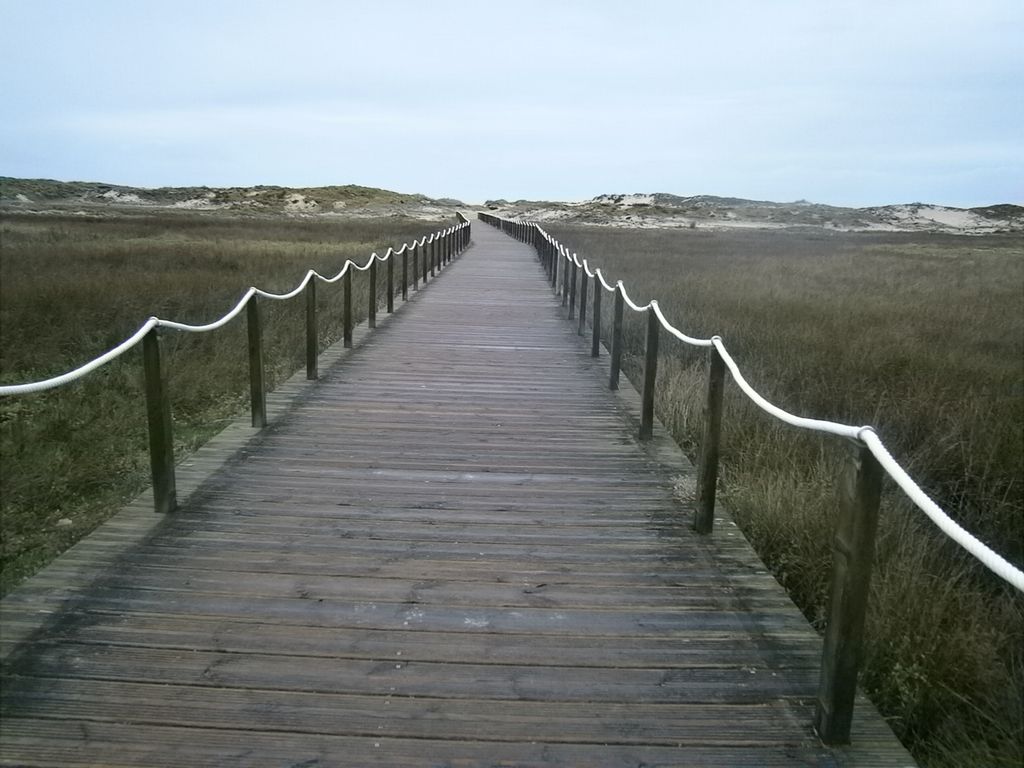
96,197
919,335
72,287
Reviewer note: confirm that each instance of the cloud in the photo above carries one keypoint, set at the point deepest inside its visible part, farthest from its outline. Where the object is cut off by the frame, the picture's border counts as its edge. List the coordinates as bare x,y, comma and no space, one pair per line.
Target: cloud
538,100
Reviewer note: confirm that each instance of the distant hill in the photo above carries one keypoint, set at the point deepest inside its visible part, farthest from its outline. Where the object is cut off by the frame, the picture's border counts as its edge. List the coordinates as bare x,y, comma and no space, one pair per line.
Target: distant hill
46,194
657,209
661,209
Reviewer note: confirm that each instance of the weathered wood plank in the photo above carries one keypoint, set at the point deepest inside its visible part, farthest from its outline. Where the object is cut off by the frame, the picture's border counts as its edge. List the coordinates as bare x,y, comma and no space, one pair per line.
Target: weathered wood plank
52,742
253,636
406,717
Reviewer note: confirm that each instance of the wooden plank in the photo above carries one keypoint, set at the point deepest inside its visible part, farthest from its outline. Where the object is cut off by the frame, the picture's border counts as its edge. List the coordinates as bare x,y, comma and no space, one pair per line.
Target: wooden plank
254,636
99,743
427,592
406,717
315,611
693,685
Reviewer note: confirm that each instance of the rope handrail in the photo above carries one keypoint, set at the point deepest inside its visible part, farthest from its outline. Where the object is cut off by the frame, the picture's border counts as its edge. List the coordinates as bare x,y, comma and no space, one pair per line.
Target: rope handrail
864,435
816,425
154,322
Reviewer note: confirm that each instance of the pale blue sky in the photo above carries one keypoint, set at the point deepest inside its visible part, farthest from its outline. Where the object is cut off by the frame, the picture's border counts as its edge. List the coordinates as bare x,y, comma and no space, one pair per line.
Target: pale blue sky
851,103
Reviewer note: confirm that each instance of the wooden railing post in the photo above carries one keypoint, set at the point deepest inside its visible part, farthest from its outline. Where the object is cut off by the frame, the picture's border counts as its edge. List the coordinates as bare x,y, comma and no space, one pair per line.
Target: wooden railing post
257,385
650,376
416,266
554,266
613,382
391,282
572,290
707,469
347,310
583,304
434,256
595,339
371,309
312,342
860,490
158,416
405,274
565,283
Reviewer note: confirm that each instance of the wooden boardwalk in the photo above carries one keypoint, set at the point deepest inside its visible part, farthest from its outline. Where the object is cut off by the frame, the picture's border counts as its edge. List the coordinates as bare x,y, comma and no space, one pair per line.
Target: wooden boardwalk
450,550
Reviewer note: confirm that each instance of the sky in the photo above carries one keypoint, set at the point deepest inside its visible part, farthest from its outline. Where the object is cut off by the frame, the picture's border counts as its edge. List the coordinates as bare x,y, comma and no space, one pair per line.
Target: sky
847,103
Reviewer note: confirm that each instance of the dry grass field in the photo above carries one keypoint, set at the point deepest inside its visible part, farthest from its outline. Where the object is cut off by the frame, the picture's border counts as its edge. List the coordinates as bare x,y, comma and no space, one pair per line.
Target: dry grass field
920,335
71,287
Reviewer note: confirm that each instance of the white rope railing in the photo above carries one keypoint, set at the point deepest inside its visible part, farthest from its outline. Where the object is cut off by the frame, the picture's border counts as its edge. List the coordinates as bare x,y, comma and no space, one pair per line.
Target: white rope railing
600,276
629,302
817,425
77,373
863,434
692,341
586,268
224,320
154,322
990,559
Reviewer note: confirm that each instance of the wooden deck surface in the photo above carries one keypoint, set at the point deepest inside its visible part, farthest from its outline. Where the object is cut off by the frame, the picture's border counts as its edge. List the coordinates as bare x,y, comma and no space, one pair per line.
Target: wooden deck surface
450,550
